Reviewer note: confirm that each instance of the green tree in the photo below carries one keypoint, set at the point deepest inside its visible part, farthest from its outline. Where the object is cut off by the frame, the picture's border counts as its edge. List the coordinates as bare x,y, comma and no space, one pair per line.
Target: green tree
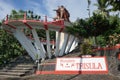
78,28
17,14
95,26
42,34
115,5
9,47
103,7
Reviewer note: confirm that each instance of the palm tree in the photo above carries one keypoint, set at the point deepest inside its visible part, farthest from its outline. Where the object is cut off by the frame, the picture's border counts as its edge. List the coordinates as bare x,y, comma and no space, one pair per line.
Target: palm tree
103,7
115,5
89,2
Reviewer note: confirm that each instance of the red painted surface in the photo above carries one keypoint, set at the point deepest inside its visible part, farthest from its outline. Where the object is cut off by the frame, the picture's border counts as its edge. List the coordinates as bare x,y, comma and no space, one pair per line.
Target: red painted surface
62,28
119,56
25,22
11,26
71,72
42,40
45,41
46,26
59,23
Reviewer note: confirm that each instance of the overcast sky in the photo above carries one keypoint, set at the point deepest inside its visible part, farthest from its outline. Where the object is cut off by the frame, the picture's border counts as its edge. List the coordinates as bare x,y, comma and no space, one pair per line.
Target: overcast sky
77,8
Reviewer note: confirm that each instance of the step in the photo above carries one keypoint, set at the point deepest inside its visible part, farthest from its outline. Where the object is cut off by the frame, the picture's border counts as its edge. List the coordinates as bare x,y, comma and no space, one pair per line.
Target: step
12,70
22,68
8,76
21,65
16,63
22,62
12,73
21,71
27,65
18,68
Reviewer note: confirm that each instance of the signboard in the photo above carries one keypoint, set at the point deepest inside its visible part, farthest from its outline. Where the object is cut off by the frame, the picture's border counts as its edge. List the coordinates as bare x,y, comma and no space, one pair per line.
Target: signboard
85,64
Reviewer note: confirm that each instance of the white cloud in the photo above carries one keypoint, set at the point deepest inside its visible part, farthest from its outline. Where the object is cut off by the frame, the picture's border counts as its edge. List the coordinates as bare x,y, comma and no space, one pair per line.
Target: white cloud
5,8
36,7
77,8
32,5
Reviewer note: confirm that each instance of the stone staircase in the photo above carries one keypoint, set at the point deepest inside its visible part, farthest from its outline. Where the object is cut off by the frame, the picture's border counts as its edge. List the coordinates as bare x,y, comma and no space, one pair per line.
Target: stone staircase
18,67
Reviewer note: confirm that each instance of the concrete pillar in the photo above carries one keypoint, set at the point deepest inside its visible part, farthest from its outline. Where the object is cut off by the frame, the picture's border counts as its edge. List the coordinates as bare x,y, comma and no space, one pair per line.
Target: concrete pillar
38,44
75,43
48,44
58,34
70,42
26,43
62,50
62,35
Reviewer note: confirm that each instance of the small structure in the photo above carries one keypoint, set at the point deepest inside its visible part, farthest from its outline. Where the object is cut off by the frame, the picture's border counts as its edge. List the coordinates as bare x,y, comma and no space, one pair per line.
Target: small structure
34,47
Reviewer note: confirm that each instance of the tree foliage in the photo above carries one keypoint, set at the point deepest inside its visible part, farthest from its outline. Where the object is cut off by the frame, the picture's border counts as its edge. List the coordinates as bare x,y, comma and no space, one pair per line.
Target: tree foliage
102,6
95,26
42,34
16,14
115,5
9,47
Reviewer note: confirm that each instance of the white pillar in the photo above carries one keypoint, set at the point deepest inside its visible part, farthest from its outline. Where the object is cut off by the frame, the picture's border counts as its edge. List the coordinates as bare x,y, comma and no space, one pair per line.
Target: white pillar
48,44
43,48
57,43
38,44
75,43
38,52
62,35
71,40
62,50
25,43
